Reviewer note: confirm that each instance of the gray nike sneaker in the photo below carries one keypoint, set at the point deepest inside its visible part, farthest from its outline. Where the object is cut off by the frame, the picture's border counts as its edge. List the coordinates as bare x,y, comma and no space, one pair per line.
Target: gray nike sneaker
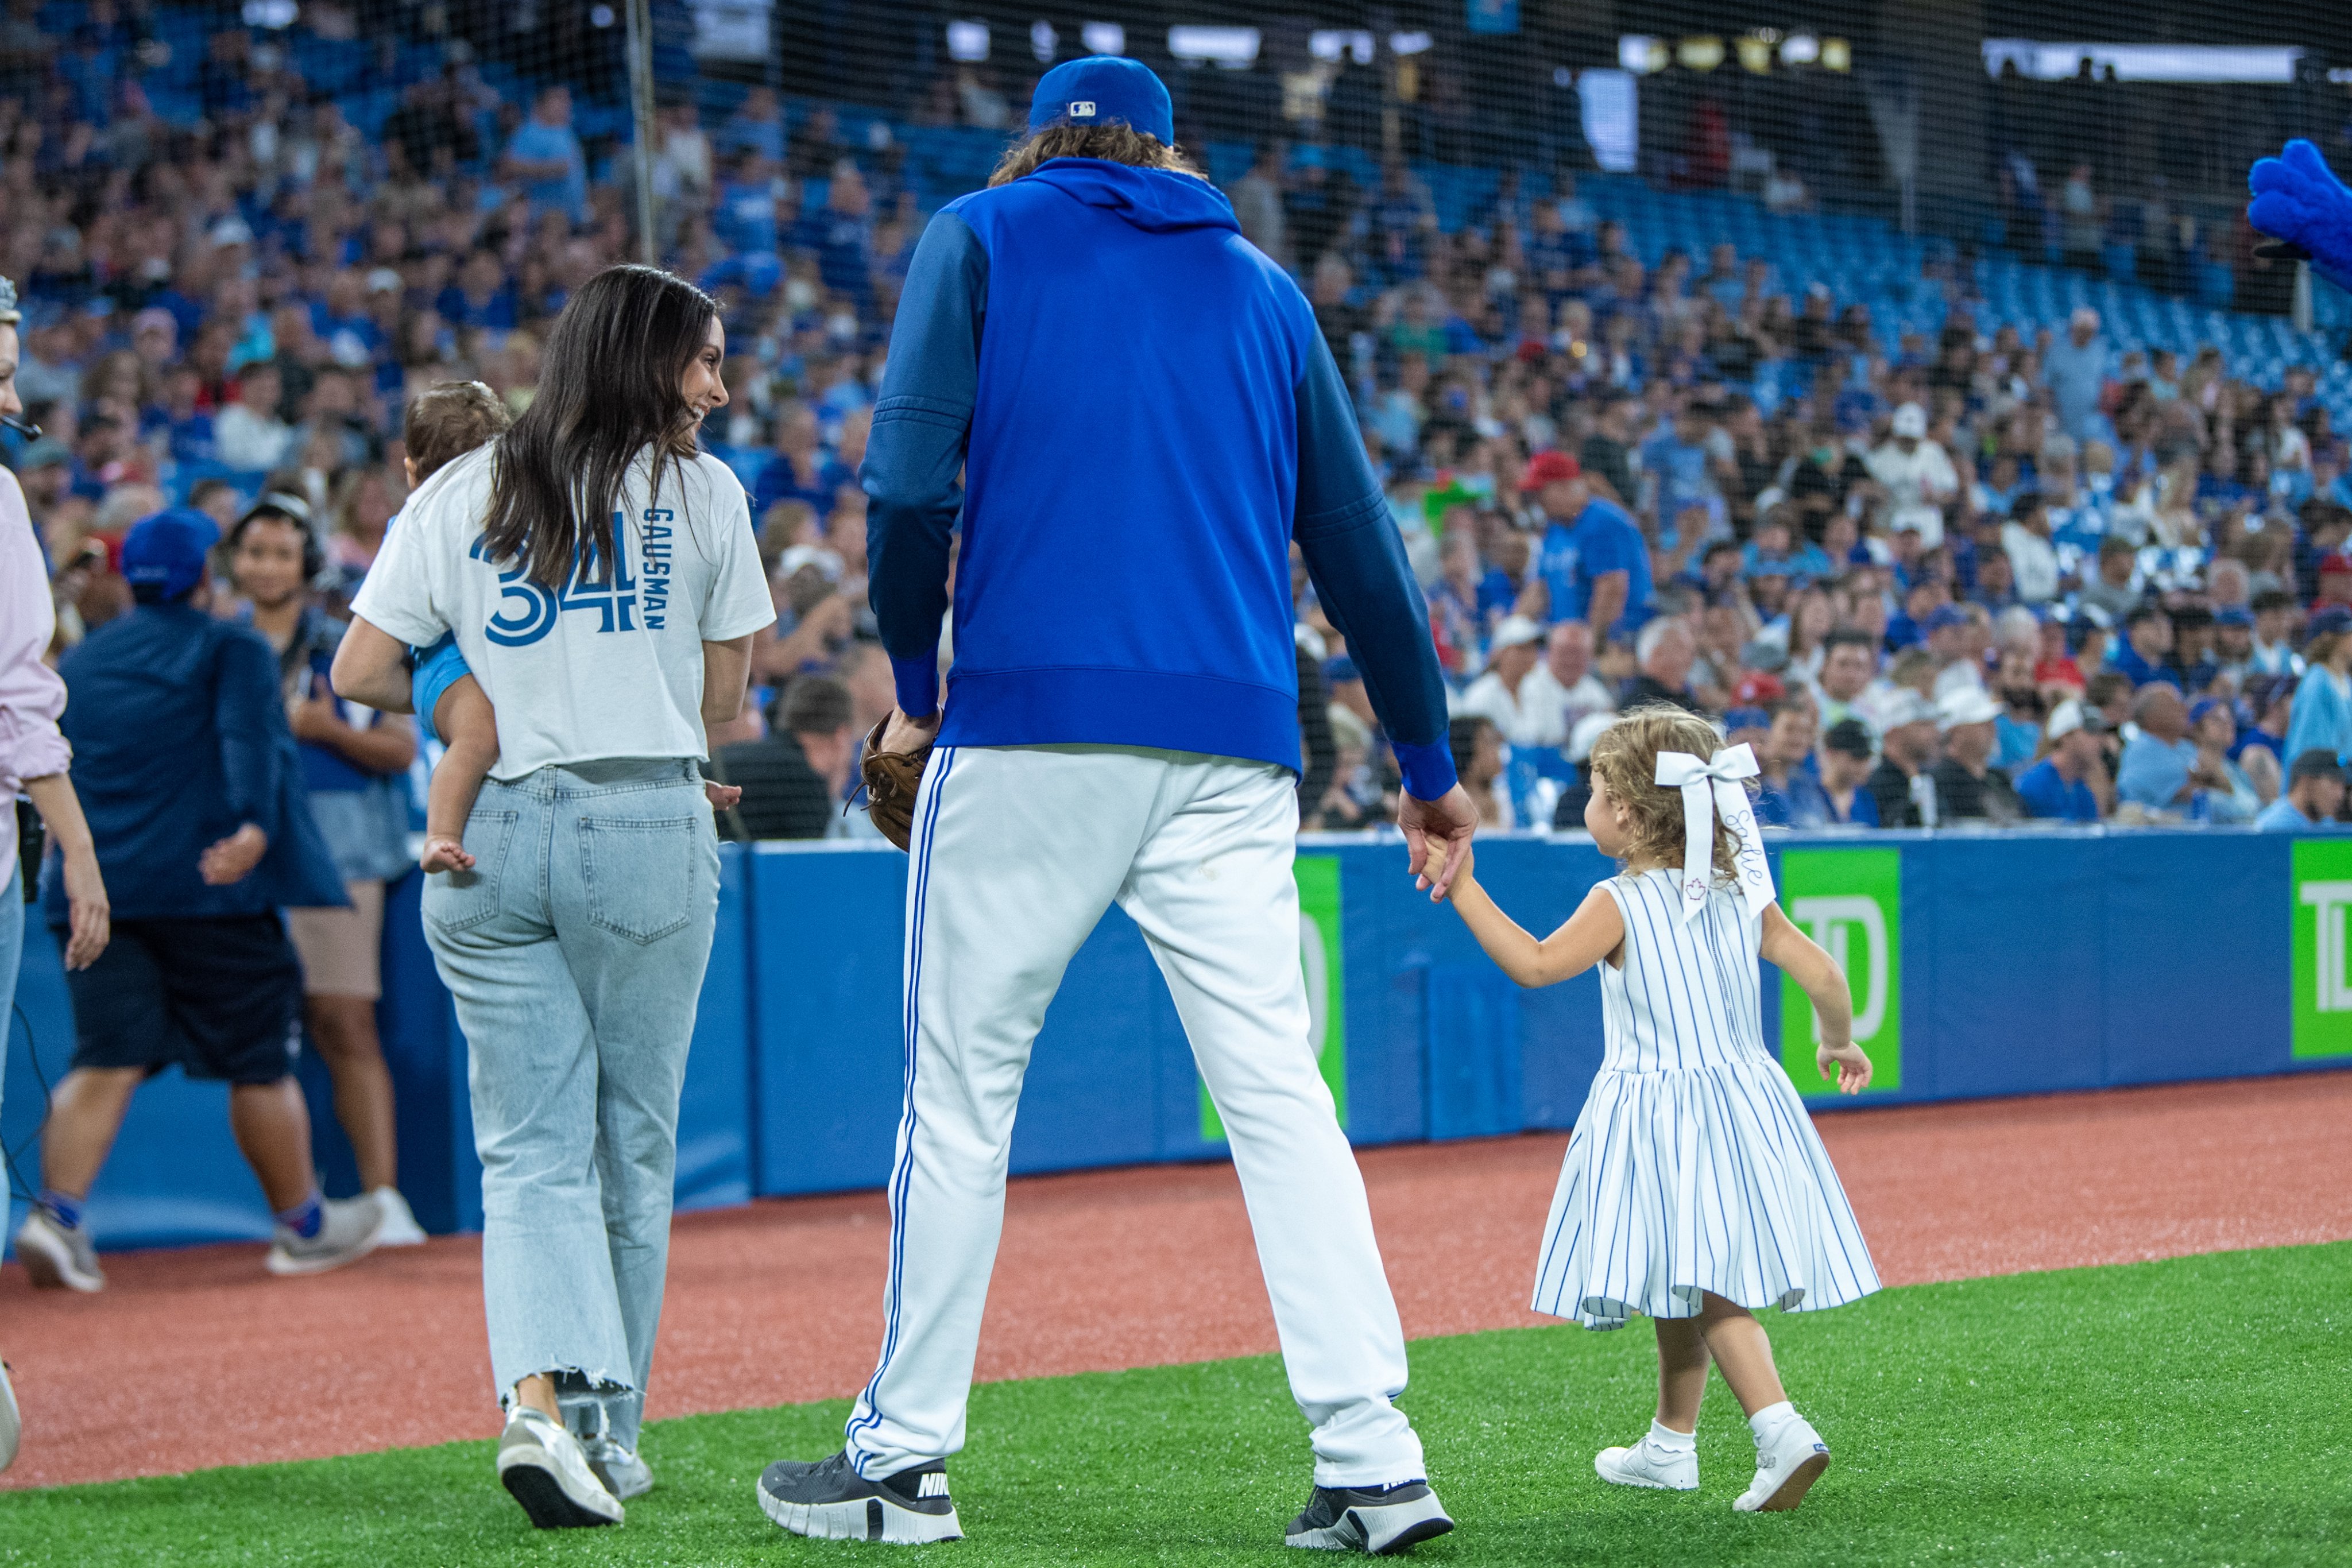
347,1233
831,1501
1376,1520
55,1257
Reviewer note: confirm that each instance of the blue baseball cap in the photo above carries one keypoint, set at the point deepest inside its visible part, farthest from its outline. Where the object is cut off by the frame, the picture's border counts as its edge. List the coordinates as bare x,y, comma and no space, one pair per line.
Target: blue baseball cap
164,556
1101,89
2233,615
1945,615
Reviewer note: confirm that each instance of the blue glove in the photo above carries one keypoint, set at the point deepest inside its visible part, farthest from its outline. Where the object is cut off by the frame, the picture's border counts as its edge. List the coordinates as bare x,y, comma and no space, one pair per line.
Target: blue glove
2298,199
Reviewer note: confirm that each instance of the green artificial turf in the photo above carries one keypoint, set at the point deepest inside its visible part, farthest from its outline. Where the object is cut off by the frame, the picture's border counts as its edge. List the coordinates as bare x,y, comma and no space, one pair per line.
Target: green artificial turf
2192,1411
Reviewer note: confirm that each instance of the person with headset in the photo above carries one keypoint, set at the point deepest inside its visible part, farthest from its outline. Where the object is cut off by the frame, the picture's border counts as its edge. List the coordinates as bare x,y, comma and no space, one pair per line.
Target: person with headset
354,762
34,756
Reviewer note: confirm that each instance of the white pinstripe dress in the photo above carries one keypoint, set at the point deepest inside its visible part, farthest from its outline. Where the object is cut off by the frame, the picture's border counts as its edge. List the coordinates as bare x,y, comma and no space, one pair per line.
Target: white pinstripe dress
1694,1166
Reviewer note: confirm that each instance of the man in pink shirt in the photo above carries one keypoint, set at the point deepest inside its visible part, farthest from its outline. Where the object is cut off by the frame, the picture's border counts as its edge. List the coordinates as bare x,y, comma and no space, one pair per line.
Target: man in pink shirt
33,755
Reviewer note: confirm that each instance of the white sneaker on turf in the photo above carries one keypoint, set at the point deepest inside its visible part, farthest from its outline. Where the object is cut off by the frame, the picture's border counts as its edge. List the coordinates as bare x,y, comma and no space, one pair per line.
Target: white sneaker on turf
624,1475
1785,1467
1648,1463
546,1469
400,1228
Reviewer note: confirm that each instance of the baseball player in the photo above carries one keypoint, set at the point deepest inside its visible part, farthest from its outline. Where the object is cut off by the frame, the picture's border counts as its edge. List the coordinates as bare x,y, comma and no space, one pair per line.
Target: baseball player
1146,419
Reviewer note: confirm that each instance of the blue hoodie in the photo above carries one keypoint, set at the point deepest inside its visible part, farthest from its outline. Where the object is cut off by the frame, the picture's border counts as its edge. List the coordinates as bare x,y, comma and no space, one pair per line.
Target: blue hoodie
1146,417
178,725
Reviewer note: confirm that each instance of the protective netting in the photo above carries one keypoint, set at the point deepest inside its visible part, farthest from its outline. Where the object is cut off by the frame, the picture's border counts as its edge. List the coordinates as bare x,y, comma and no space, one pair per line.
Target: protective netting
1722,259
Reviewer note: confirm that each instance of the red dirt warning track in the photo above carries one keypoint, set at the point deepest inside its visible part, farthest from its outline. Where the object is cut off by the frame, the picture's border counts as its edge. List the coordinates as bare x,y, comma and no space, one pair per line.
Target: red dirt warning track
197,1358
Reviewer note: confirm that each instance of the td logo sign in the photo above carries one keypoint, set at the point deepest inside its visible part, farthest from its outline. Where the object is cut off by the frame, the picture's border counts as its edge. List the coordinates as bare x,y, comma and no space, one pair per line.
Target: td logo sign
1850,902
1319,957
2323,966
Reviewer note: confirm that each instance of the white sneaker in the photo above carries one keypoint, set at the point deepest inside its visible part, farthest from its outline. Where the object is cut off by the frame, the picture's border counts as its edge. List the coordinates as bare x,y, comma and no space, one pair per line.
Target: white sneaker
1649,1464
11,1420
55,1257
1786,1469
624,1475
543,1466
400,1228
348,1228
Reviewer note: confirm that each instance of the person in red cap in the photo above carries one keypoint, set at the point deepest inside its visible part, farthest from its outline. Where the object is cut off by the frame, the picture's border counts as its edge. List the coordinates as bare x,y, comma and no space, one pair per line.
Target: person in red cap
1593,563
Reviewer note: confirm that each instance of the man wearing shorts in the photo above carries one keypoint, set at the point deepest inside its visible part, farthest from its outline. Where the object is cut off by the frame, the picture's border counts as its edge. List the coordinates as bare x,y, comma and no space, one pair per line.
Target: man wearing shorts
189,775
353,762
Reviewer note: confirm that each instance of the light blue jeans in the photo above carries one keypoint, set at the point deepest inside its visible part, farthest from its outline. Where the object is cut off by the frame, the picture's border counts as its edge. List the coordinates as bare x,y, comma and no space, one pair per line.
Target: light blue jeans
12,950
575,950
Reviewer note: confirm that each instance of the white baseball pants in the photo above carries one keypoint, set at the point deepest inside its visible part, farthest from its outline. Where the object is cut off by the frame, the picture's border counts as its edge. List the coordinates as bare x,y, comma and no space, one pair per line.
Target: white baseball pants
1018,851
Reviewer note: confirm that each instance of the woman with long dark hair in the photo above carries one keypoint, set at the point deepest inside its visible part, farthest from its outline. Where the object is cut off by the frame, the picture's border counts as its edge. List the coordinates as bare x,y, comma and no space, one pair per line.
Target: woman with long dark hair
603,582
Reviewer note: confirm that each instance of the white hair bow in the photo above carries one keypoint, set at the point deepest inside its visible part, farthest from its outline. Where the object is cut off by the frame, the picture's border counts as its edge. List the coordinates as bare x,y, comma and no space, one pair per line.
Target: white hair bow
1709,788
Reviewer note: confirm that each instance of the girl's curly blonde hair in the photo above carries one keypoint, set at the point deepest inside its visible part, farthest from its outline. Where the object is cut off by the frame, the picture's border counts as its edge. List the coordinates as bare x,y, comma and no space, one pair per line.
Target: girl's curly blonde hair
1625,764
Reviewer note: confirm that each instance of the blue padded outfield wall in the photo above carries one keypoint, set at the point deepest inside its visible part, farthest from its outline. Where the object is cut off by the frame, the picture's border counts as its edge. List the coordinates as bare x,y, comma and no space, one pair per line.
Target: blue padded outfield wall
1982,965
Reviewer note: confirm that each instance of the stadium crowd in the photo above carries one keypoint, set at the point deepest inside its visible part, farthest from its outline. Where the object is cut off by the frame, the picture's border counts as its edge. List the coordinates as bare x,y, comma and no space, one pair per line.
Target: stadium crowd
1985,577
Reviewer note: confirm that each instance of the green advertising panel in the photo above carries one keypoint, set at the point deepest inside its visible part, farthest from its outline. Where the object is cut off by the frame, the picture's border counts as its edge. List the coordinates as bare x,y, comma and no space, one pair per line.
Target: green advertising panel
1319,955
1850,902
2323,987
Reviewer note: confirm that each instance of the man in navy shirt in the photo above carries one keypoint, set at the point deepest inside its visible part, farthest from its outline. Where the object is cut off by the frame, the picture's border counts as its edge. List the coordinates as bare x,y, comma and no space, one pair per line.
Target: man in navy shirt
2145,653
2059,787
194,789
1593,559
1792,796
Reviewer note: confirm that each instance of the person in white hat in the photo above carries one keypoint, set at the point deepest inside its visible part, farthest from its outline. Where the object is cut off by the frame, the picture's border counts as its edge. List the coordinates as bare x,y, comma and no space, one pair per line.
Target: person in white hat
1917,476
2070,783
1499,696
1903,785
1968,787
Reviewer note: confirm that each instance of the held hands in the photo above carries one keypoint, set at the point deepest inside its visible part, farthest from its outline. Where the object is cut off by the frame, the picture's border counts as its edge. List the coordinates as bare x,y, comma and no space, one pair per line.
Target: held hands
1432,868
1446,825
1849,1063
232,858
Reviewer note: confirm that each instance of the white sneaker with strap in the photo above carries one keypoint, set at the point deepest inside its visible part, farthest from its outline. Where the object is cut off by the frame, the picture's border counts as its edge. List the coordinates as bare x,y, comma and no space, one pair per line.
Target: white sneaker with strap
1790,1457
1649,1463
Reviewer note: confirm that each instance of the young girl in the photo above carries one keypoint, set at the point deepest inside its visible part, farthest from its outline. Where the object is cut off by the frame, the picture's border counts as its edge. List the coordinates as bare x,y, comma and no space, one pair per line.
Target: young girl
1695,1190
444,423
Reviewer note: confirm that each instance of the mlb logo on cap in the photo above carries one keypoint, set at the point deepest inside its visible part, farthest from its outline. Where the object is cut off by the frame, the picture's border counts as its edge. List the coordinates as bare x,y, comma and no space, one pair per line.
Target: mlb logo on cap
1104,90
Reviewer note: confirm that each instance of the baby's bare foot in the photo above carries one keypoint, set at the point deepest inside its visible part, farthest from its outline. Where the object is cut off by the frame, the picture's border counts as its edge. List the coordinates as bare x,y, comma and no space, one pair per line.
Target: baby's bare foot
445,854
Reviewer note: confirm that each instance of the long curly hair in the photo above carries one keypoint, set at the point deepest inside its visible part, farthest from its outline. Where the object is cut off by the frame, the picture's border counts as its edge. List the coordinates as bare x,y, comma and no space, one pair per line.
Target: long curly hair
1626,763
1115,143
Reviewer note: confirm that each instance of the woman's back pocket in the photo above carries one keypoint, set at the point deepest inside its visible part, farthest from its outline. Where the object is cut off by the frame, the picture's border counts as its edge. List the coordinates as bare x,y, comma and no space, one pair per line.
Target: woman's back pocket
640,875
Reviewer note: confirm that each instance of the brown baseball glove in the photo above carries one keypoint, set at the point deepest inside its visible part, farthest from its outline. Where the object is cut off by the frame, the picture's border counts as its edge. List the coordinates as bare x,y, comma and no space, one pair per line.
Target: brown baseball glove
891,779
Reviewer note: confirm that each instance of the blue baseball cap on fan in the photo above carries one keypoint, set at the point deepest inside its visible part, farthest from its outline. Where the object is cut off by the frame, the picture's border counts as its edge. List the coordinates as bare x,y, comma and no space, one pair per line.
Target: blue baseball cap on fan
163,555
1101,89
